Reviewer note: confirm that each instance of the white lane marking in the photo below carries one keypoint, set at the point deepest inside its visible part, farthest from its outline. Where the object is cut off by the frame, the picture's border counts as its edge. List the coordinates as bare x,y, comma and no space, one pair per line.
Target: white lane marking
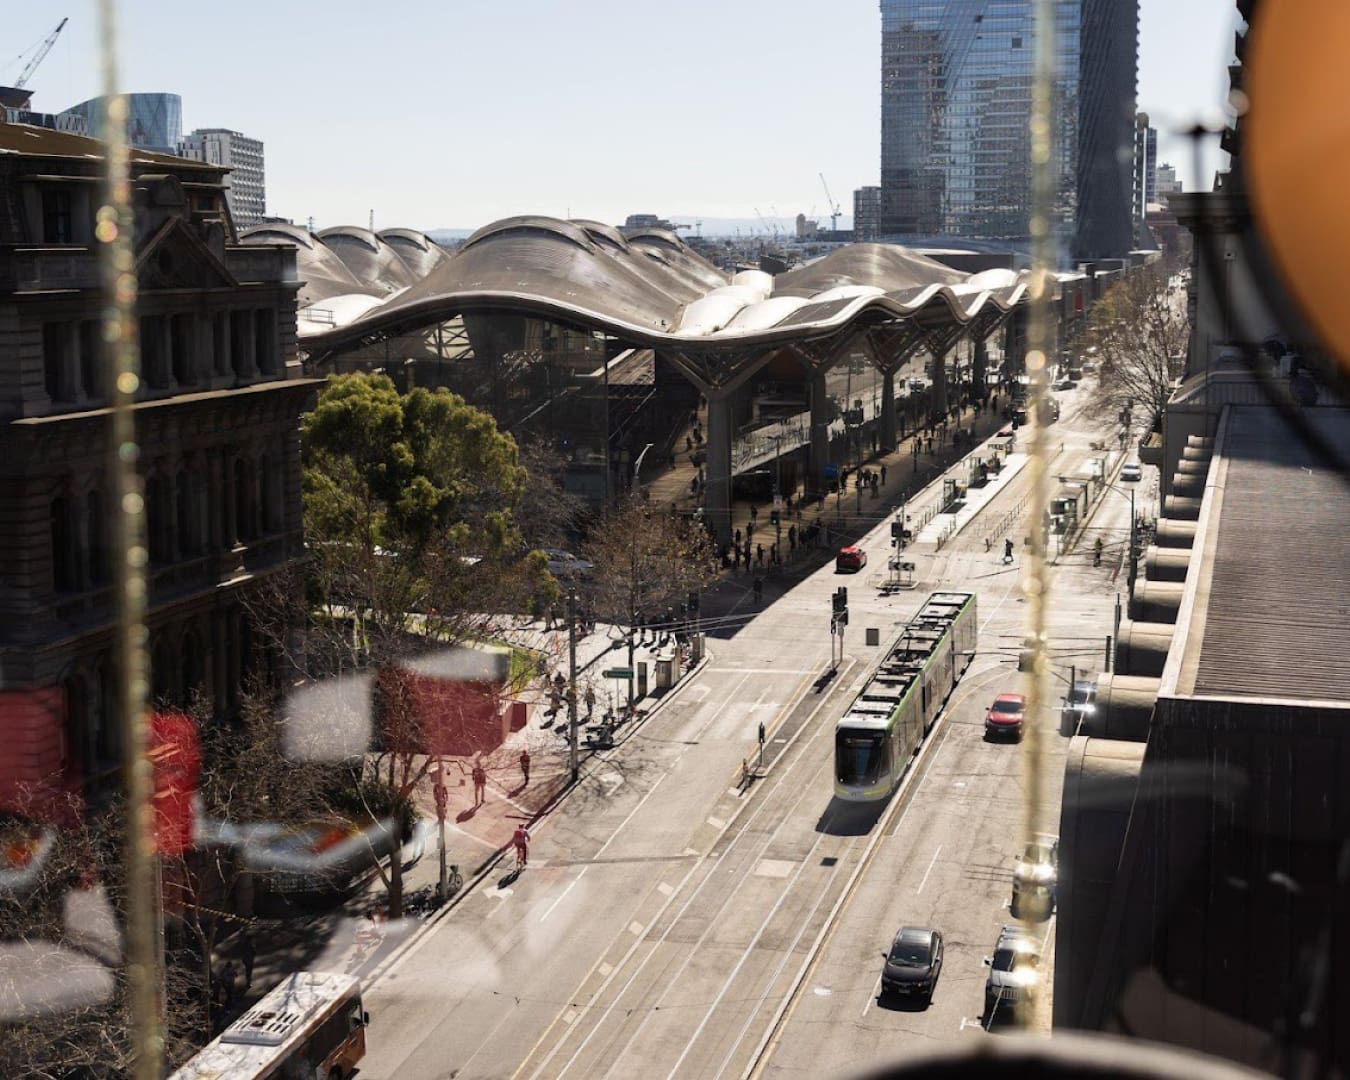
562,896
635,928
931,864
665,889
876,991
604,970
717,823
774,868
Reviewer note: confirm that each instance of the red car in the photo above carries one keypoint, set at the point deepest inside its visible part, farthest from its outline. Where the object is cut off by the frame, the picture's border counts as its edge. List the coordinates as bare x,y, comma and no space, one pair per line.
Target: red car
1005,715
850,558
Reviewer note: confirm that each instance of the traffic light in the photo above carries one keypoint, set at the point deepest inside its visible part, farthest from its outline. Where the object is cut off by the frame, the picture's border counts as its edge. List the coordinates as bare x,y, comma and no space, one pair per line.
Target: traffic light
773,517
839,605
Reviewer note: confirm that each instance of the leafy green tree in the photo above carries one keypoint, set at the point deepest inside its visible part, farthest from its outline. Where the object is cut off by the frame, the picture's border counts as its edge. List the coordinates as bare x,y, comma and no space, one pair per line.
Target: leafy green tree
411,504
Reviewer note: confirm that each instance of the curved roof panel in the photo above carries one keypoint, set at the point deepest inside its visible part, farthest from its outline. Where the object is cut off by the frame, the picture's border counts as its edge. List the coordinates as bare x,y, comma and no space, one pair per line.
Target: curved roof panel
420,254
649,288
322,274
375,263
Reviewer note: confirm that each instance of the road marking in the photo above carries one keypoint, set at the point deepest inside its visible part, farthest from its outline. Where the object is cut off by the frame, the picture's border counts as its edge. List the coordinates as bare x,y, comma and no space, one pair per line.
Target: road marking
561,898
717,823
871,1000
931,864
665,889
774,868
604,969
569,1016
635,928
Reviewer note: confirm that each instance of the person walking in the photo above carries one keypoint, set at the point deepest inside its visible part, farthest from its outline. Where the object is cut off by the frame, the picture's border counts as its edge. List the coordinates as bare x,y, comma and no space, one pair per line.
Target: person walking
1008,550
883,472
759,588
479,783
520,840
590,700
525,766
792,539
759,554
248,955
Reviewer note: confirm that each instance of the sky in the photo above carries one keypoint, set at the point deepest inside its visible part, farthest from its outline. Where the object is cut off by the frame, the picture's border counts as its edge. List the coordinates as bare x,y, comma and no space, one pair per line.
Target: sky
453,114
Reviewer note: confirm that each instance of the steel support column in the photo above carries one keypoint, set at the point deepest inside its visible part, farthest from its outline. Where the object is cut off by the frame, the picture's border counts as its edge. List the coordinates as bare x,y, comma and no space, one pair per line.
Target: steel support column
979,369
819,455
938,373
717,489
889,440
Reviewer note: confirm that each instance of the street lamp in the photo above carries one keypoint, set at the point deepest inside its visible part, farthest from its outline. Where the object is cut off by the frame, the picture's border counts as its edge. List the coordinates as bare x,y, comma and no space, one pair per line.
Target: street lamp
637,465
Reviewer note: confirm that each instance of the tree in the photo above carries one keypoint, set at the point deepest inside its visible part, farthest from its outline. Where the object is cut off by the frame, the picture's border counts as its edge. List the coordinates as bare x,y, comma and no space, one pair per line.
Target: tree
1138,328
411,508
548,512
647,562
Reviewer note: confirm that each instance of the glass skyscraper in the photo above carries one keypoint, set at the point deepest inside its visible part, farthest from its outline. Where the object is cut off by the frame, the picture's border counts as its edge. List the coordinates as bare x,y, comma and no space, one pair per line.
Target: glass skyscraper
154,121
955,113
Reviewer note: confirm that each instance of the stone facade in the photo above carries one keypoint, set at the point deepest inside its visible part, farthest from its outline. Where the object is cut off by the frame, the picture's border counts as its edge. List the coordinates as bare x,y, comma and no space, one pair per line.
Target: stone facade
217,420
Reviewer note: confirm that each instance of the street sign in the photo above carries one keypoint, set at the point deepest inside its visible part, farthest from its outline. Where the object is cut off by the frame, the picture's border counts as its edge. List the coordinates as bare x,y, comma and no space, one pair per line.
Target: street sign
617,673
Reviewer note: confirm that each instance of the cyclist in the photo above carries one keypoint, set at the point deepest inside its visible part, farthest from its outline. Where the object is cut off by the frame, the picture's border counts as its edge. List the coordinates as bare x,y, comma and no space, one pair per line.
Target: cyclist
521,841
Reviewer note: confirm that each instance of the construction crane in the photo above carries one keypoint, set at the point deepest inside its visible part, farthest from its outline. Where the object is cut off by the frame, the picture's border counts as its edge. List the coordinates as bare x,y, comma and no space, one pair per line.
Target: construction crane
834,206
40,56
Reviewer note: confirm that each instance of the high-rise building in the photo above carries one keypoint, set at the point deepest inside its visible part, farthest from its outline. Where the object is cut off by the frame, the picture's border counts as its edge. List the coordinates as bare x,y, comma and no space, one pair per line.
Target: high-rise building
956,81
1167,182
1145,164
154,121
866,213
244,186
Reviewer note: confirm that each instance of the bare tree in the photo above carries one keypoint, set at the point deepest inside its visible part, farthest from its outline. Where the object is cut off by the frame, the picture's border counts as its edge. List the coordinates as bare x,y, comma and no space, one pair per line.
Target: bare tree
548,513
647,561
1138,329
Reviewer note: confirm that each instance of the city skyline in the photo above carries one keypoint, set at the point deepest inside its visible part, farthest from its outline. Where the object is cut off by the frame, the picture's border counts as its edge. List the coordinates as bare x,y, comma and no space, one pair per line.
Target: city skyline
723,117
740,100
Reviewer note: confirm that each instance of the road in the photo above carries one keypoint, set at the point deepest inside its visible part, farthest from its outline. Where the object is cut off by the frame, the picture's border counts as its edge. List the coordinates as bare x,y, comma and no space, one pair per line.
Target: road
674,921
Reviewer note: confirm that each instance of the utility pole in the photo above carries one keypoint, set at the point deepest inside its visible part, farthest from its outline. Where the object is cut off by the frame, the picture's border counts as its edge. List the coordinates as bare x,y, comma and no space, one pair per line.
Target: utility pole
442,802
573,761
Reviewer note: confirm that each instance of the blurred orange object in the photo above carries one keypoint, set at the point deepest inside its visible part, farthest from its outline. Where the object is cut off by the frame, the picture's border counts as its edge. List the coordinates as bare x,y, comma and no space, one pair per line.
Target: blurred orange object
1296,153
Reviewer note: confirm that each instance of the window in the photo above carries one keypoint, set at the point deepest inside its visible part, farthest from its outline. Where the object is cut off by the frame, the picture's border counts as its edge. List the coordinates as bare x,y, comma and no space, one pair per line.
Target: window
181,330
54,374
153,361
98,541
57,220
245,501
264,334
63,566
239,343
91,360
185,507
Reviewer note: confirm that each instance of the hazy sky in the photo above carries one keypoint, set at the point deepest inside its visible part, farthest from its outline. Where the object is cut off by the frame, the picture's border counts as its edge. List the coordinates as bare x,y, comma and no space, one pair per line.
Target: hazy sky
437,113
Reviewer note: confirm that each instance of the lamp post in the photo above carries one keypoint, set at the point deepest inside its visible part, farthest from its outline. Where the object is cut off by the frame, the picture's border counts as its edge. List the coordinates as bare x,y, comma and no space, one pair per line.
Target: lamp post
637,465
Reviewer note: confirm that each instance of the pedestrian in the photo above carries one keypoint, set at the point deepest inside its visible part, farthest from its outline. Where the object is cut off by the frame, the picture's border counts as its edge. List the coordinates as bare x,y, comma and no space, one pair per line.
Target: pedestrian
759,554
883,473
1008,550
754,513
738,537
759,588
525,766
479,783
590,700
688,444
735,556
792,538
229,983
520,840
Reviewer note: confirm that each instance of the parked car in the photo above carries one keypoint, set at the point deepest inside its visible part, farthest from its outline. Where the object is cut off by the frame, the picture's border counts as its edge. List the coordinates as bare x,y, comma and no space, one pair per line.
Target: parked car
1036,875
850,558
1005,716
1064,384
1049,411
1014,974
917,384
914,962
565,564
1131,470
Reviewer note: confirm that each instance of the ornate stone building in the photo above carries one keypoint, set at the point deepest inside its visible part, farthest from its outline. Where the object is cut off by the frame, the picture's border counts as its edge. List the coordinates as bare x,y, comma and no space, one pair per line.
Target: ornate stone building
218,425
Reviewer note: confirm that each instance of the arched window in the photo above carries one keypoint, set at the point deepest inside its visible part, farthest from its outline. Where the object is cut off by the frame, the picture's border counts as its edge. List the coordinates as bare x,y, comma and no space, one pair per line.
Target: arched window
98,541
163,681
245,500
187,525
63,563
194,666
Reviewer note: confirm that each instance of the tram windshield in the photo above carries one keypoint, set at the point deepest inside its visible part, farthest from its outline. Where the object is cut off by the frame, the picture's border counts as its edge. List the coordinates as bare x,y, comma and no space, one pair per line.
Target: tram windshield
860,757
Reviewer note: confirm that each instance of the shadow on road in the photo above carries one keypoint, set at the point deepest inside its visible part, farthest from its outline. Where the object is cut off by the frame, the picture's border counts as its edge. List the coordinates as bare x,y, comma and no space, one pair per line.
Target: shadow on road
849,818
902,1003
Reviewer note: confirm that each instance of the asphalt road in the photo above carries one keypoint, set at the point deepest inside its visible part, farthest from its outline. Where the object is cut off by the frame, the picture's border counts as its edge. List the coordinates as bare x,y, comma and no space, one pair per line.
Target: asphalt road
676,922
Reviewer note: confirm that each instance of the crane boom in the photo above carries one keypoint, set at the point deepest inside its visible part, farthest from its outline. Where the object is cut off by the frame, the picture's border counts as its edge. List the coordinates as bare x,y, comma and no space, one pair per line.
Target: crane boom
41,55
834,206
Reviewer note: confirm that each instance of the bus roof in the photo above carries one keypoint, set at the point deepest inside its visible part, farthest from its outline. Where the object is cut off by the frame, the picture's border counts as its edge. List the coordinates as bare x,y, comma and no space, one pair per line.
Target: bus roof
256,1041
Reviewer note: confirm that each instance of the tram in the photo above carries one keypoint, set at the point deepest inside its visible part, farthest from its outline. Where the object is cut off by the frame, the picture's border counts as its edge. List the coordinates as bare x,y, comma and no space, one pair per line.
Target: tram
877,738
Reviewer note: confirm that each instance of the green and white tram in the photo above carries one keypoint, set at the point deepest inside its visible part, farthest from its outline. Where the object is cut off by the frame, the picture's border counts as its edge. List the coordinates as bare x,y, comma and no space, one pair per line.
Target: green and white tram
877,738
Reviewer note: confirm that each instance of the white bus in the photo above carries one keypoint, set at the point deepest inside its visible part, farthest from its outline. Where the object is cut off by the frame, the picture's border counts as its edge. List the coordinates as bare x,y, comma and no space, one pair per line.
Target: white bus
310,1025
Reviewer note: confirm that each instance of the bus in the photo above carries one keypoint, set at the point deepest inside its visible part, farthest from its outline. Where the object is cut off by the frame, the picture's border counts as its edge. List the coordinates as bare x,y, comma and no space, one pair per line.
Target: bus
875,740
309,1025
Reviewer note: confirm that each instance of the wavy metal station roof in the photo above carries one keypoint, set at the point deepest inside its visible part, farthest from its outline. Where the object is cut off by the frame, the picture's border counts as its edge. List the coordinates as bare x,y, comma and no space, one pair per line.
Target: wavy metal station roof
652,289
